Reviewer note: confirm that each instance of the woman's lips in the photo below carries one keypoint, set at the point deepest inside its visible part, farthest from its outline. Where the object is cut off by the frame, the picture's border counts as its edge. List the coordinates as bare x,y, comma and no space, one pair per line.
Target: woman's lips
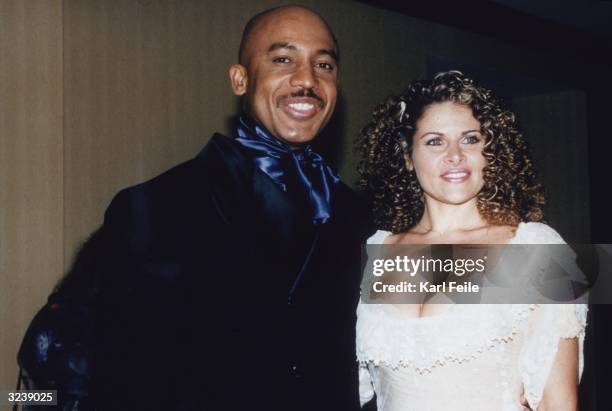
456,175
301,108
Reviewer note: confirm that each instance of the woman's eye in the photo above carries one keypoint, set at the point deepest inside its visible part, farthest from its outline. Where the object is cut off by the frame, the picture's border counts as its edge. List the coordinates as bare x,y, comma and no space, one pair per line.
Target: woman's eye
473,139
436,141
281,60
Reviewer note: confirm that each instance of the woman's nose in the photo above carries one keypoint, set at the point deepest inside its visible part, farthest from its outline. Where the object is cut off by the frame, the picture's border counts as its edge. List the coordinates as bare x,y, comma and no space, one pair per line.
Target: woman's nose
454,154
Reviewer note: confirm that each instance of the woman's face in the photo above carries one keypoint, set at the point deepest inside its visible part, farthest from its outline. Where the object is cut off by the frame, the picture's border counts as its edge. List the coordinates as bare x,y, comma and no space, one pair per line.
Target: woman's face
447,153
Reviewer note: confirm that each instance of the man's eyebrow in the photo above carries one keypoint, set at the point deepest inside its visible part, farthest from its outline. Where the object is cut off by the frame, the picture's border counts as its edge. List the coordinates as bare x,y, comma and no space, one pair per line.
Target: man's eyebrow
289,46
330,53
278,46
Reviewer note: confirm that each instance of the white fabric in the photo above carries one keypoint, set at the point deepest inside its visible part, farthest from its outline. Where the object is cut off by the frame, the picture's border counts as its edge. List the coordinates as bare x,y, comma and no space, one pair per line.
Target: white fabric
471,357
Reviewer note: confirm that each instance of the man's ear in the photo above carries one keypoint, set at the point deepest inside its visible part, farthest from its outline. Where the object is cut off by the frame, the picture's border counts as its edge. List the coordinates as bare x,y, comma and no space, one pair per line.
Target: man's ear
238,79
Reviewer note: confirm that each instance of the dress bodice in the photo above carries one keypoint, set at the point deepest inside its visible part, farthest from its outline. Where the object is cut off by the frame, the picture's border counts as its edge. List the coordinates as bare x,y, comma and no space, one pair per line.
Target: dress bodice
474,357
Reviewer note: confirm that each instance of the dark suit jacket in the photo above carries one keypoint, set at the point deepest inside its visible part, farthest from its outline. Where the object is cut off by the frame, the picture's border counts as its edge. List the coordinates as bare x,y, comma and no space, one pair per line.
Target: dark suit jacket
217,292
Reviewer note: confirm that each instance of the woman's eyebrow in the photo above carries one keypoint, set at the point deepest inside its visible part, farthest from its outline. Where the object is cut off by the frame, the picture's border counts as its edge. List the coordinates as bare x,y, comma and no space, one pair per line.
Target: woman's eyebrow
437,133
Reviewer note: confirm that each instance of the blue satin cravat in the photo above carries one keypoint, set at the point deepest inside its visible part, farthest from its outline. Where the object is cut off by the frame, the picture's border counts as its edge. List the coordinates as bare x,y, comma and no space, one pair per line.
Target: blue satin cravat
271,155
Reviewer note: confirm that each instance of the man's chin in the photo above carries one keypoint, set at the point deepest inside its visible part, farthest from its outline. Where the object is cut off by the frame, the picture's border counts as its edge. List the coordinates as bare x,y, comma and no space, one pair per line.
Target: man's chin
298,136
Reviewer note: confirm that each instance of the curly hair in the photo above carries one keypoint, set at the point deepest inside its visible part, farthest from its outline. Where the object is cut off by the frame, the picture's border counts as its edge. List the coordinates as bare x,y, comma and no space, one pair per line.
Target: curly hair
511,192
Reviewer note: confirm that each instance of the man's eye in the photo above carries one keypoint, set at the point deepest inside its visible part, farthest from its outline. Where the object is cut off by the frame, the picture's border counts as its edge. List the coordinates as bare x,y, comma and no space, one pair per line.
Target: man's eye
325,66
281,60
436,141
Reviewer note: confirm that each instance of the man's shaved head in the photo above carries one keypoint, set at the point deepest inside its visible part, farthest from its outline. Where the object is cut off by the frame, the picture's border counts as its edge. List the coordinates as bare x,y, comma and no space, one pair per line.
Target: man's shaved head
256,20
288,72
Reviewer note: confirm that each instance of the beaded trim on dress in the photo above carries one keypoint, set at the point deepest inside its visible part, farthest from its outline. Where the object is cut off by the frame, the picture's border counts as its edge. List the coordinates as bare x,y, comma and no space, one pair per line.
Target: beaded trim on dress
393,341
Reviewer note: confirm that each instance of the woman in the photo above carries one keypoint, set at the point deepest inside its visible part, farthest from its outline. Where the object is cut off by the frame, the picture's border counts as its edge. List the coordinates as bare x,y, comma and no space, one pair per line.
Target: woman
446,164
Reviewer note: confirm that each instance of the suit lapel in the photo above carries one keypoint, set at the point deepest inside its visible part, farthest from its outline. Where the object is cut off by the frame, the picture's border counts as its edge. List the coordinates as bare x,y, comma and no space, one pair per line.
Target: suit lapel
283,227
229,170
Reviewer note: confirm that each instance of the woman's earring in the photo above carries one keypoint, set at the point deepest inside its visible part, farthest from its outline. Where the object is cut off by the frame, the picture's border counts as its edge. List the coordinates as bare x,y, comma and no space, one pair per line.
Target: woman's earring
406,153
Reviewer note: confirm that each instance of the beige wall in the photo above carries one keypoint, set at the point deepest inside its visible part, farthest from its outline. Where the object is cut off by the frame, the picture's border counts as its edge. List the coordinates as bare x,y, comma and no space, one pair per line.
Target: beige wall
136,86
146,86
31,203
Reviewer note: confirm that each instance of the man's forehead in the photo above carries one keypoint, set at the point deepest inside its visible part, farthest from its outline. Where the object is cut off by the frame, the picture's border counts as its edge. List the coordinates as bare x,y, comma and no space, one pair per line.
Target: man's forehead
292,30
291,14
298,27
296,44
294,40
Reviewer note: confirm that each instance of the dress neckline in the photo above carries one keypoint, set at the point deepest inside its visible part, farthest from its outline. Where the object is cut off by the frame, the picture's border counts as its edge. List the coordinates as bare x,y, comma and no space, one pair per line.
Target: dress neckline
519,228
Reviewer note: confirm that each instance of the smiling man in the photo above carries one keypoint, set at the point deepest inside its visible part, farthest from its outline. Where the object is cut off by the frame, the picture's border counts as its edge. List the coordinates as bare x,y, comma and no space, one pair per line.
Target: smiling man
288,73
231,281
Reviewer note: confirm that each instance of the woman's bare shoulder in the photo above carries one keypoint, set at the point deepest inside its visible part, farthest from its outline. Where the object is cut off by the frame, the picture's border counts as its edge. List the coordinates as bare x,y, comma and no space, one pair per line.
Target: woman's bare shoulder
498,234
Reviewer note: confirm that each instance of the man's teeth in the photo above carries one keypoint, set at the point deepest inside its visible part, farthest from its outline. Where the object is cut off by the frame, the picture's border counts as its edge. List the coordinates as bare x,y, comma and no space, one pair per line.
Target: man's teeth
301,106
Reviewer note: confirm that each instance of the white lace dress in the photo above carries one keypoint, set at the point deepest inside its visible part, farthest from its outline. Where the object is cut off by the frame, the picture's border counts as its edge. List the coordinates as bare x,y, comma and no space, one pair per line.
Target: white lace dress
471,357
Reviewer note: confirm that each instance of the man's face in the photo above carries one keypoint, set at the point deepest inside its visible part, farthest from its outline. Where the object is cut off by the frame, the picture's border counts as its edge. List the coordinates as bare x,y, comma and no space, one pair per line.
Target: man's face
290,75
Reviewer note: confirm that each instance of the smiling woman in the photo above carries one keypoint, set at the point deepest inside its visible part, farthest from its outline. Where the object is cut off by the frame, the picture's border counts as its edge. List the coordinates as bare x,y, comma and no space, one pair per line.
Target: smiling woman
445,164
447,153
463,132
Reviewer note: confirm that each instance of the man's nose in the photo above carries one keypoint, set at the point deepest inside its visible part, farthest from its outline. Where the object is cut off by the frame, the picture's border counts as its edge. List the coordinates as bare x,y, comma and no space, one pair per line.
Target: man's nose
304,77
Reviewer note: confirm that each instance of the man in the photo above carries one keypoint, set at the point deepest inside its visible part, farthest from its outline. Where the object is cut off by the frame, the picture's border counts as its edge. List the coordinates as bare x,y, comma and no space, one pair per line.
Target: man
230,281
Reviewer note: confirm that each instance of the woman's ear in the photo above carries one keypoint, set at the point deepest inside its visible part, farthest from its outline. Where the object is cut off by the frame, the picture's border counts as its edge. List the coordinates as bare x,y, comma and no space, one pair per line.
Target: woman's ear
406,151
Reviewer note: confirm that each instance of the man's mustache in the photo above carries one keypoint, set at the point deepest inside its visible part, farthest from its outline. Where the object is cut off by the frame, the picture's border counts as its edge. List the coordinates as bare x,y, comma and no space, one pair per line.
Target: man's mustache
309,93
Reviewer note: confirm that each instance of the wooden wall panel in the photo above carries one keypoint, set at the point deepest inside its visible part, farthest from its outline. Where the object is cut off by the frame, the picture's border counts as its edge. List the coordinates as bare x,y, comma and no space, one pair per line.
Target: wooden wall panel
145,87
30,167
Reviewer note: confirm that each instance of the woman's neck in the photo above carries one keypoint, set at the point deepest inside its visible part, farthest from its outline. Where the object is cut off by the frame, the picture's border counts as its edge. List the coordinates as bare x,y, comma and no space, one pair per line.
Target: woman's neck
446,218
